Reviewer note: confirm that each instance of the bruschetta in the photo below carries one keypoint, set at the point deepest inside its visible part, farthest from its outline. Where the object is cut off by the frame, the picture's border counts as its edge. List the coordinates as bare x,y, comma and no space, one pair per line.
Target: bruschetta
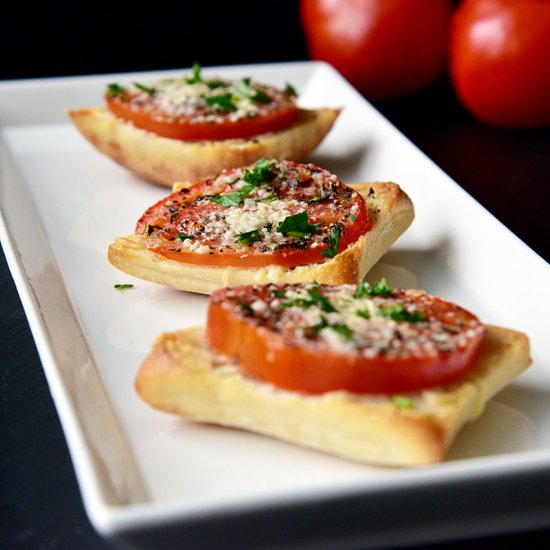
273,221
183,129
365,372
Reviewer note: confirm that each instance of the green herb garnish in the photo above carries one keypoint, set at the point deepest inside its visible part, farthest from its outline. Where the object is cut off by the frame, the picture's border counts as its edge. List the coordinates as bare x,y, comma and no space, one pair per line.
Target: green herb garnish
225,102
290,89
147,89
213,84
269,198
340,328
261,172
196,78
245,309
297,225
402,402
115,90
261,96
343,330
317,198
318,299
333,243
123,286
248,237
228,199
300,302
362,313
183,237
323,323
379,288
245,87
399,313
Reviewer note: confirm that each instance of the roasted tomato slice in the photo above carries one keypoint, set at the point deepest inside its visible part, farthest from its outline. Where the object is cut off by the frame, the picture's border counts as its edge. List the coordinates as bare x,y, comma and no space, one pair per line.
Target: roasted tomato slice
316,338
196,108
268,213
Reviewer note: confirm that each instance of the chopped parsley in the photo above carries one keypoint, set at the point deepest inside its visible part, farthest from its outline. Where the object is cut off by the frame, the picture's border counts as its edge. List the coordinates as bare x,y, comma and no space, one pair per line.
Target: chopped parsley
316,199
379,288
197,77
183,237
115,90
321,301
402,402
300,302
147,89
343,330
290,89
297,225
213,84
224,102
228,199
333,243
269,198
244,86
261,172
362,313
245,309
123,286
340,328
399,313
323,323
248,237
316,299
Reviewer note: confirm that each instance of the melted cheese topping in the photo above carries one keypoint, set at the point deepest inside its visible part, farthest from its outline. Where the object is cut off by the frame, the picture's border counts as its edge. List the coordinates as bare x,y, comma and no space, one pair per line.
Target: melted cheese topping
203,102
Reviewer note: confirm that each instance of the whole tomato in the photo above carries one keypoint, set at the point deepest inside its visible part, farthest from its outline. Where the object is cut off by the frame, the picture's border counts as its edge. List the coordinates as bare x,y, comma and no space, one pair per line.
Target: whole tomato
385,48
500,60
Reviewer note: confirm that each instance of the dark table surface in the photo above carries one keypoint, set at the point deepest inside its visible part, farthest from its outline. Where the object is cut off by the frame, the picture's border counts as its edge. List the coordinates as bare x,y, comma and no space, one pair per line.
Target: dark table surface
507,171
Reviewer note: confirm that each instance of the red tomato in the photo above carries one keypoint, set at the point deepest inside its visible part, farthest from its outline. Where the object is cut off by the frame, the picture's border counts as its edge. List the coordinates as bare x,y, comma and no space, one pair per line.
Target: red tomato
386,48
277,336
500,60
223,220
187,129
200,108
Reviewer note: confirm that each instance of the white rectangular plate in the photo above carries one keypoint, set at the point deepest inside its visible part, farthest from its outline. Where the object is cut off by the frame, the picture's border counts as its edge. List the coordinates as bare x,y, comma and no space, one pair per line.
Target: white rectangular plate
140,470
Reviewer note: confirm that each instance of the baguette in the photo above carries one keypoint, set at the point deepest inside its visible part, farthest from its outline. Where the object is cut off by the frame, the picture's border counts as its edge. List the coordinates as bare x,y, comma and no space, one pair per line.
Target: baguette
391,212
163,161
182,375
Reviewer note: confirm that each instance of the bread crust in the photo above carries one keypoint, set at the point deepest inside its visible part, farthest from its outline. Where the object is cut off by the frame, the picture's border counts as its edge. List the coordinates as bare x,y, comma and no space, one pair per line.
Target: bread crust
182,375
391,211
164,161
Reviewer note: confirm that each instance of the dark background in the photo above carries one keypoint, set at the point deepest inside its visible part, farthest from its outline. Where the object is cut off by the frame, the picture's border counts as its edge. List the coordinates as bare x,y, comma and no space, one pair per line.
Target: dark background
506,170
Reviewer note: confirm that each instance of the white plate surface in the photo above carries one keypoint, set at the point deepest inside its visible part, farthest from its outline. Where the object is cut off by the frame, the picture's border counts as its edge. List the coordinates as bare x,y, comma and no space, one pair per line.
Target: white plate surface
63,203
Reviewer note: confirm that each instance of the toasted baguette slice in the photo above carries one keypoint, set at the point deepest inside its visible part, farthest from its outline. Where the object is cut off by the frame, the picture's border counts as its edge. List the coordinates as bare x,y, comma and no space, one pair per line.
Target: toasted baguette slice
164,161
390,209
181,375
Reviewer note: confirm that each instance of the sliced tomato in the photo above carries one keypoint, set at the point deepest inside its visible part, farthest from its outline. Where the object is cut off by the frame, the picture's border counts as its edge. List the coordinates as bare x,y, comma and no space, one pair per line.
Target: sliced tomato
196,226
280,340
190,129
199,108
